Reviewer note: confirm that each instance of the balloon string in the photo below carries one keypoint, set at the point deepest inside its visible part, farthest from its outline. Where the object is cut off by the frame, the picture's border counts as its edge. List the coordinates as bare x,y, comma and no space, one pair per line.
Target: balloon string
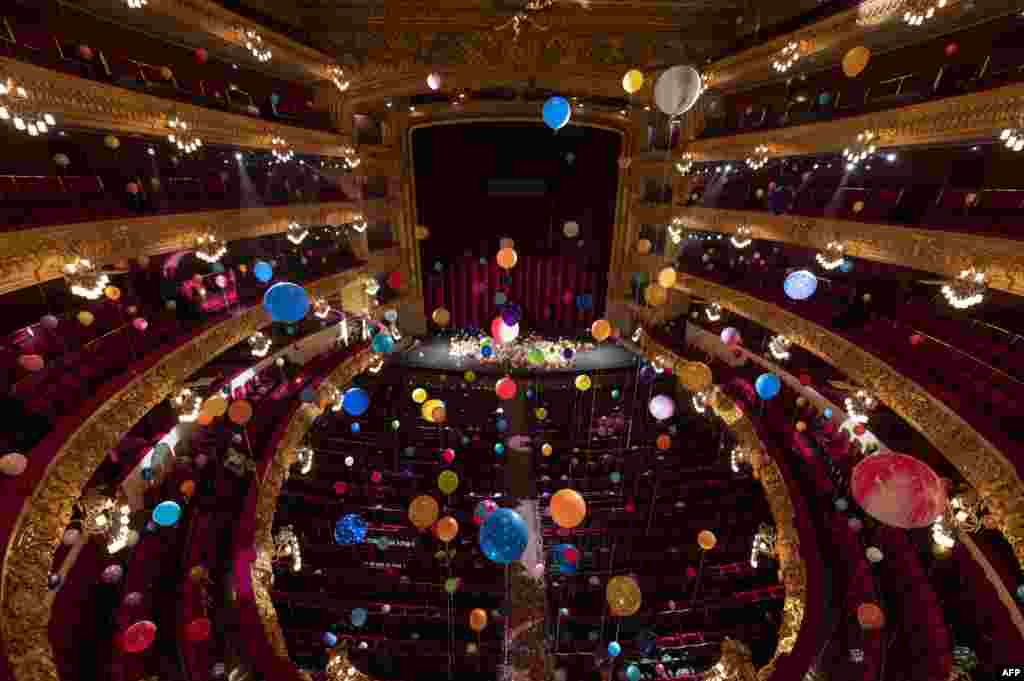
696,585
632,406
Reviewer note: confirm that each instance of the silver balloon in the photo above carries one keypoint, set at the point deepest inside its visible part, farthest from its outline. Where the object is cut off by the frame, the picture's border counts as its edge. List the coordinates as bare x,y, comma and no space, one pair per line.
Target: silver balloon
677,90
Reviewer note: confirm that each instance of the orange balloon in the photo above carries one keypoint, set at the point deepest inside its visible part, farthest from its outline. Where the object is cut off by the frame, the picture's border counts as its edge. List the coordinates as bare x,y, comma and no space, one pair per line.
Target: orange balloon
447,528
240,412
188,488
706,539
643,247
204,418
439,415
655,295
216,406
663,442
600,330
112,293
423,511
568,508
507,258
477,619
870,616
441,316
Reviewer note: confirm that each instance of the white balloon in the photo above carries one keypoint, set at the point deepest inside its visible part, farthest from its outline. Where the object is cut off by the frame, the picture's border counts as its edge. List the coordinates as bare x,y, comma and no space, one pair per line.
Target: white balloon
874,554
571,229
434,81
677,90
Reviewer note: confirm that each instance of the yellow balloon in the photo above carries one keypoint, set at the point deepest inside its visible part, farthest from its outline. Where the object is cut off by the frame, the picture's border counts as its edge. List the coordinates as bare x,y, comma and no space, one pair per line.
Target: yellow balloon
423,511
546,449
583,382
112,293
655,295
706,539
422,232
667,277
624,596
568,508
507,258
542,413
216,406
441,316
643,247
855,61
448,481
427,410
470,376
447,528
600,330
632,81
419,395
86,318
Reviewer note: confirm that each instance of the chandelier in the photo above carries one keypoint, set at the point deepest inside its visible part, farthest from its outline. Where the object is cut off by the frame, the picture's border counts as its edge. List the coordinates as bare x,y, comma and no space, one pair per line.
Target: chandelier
340,669
296,233
282,152
967,290
685,164
858,405
120,529
764,544
788,56
260,344
332,394
358,223
778,346
97,509
304,457
863,148
14,108
337,77
833,255
699,402
254,43
321,308
352,161
1013,138
180,136
919,11
372,286
675,231
743,237
286,546
638,332
737,456
186,405
84,279
209,248
759,159
713,312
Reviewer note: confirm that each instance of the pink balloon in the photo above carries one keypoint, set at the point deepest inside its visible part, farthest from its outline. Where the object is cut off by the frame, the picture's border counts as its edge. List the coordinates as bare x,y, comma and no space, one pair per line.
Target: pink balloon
448,455
31,362
898,490
731,336
132,188
138,637
568,297
221,281
340,487
140,324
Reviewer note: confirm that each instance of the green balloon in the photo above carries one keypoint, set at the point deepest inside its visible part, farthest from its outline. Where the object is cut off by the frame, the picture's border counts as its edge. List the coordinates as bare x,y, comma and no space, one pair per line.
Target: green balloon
535,356
396,424
448,481
616,477
616,394
451,585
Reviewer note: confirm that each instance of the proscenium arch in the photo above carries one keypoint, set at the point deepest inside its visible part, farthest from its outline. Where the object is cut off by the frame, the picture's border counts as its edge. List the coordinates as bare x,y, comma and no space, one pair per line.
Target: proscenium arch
985,467
693,376
24,595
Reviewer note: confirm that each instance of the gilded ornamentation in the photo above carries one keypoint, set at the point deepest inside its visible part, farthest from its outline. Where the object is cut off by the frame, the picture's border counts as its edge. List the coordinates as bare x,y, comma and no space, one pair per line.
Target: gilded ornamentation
31,256
982,465
928,250
26,600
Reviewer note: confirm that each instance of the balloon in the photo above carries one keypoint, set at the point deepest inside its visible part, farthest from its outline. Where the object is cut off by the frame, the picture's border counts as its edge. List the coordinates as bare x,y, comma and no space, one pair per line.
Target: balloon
874,554
706,539
350,529
263,271
571,229
448,481
556,112
448,455
503,333
767,386
614,649
677,90
655,295
615,477
201,55
31,362
504,536
535,356
240,412
632,81
568,508
188,488
623,596
355,401
428,408
662,407
166,513
140,324
501,425
506,388
359,616
49,322
541,413
507,258
112,574
731,336
112,293
86,318
499,448
71,536
111,142
663,442
633,673
546,449
583,382
330,640
423,511
477,619
898,490
643,247
469,376
434,81
383,343
511,314
138,637
447,528
667,277
216,406
198,630
286,302
600,330
870,616
855,61
800,284
483,511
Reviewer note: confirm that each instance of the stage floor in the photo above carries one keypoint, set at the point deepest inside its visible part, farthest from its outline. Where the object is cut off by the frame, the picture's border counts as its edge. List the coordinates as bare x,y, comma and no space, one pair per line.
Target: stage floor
432,353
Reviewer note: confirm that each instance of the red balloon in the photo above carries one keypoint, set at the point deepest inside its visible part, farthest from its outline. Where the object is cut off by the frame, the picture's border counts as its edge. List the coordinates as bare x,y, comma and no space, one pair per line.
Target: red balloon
138,637
198,630
916,339
395,280
567,297
201,56
340,487
898,490
448,455
376,477
630,507
952,49
805,379
506,388
572,554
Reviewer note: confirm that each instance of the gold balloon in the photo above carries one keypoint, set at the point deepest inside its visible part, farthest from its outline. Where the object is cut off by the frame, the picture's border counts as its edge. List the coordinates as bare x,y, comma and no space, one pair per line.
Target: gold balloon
448,481
470,376
423,511
632,81
112,293
695,376
422,232
86,318
447,528
706,539
855,61
583,382
624,596
507,258
643,247
546,449
541,413
667,277
419,395
216,406
441,317
427,410
568,508
656,295
477,619
600,330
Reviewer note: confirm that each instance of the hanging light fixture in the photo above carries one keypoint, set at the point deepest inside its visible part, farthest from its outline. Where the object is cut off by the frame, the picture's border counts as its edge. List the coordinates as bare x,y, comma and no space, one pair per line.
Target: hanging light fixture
280,149
136,4
186,142
209,248
296,233
713,312
337,76
861,150
84,279
967,290
321,308
833,255
287,547
743,237
120,528
260,344
778,346
919,11
254,43
764,543
1013,138
304,457
358,223
15,108
859,405
186,405
675,231
98,509
699,402
352,160
685,164
759,159
372,286
788,56
737,457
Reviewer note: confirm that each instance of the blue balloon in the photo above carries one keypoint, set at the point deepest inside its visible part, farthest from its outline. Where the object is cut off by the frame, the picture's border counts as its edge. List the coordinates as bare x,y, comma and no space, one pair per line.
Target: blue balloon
1020,592
768,386
846,266
330,640
504,536
633,673
351,529
557,112
502,425
800,285
486,351
355,401
825,98
355,427
359,617
499,449
827,413
286,302
500,298
391,315
615,477
614,649
564,566
383,343
263,271
166,513
308,394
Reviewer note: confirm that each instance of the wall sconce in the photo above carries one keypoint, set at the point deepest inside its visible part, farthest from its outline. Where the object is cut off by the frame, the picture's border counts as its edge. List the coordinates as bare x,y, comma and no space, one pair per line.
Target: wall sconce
280,149
84,279
260,344
685,164
713,312
254,43
861,149
337,77
764,544
287,547
919,11
296,233
14,108
186,405
743,237
832,257
209,248
759,159
788,56
967,290
778,347
304,458
186,142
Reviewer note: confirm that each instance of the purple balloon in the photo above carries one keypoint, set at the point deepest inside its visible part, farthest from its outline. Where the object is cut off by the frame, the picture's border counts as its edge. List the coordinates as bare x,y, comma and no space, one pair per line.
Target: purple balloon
511,314
648,374
662,407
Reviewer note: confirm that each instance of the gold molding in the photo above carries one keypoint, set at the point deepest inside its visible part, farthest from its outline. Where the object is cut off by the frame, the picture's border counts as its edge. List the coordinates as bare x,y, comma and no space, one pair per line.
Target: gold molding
32,256
80,103
25,600
983,466
979,115
928,250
